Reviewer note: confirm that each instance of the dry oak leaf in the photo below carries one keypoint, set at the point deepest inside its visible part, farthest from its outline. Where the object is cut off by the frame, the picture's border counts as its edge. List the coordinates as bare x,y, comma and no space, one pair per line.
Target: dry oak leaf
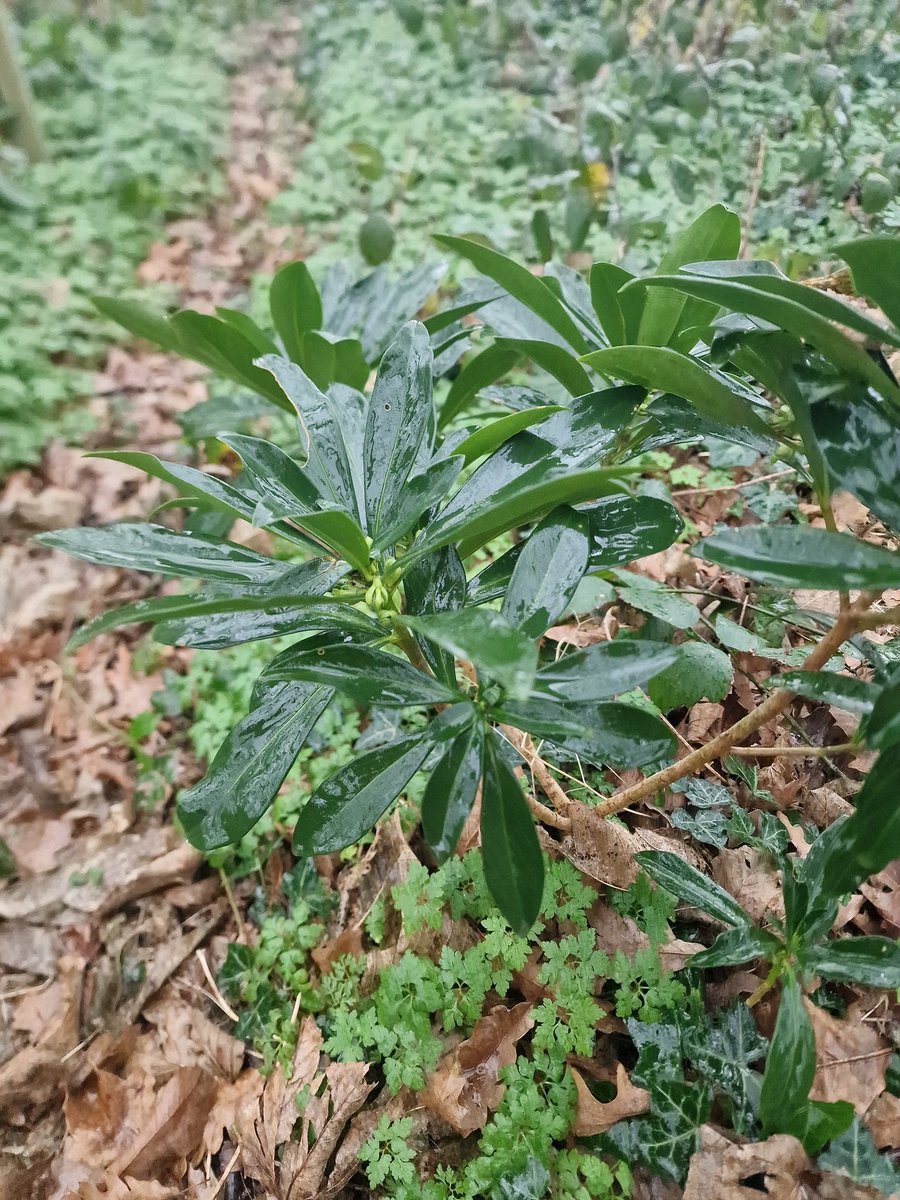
747,876
883,1120
604,850
720,1168
244,1091
616,932
189,1038
851,1058
464,1087
592,1116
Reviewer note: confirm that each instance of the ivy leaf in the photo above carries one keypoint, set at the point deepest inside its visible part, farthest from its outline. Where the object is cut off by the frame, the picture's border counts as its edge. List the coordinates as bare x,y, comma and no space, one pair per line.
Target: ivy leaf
700,672
722,1047
513,862
250,766
853,1154
665,1140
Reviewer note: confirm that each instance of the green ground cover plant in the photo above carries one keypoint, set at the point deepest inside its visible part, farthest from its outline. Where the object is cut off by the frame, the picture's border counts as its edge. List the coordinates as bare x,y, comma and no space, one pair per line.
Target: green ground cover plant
134,104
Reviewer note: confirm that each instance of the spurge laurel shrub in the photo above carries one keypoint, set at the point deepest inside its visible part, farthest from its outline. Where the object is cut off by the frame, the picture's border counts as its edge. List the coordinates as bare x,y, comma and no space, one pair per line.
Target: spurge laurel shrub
388,519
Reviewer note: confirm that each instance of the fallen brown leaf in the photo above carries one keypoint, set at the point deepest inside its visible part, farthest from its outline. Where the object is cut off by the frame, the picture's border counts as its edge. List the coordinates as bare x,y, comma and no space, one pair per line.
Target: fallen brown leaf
189,1038
592,1116
616,932
720,1168
747,876
883,1120
851,1058
604,850
464,1087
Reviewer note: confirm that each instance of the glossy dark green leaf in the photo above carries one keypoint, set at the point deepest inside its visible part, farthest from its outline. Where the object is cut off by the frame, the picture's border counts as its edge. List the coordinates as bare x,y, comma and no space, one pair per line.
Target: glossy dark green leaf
283,488
225,350
339,532
487,640
716,233
436,583
843,691
141,321
619,313
351,800
605,669
366,675
302,587
853,1154
871,961
491,437
224,626
512,487
321,432
295,306
790,1065
556,361
207,490
883,726
738,945
616,735
484,369
870,838
450,792
860,442
400,418
824,1120
671,872
513,862
659,368
874,263
824,303
449,316
249,768
721,1047
547,572
700,672
591,425
794,318
791,556
140,547
419,495
623,528
528,289
244,324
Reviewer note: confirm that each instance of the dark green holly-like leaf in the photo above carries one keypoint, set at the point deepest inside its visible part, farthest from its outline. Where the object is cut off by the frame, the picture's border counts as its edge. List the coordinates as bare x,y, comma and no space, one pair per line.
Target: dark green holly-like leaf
860,442
618,735
624,528
790,1065
528,289
487,640
295,306
739,945
450,792
828,687
791,556
513,862
883,726
283,488
140,547
399,422
351,800
436,583
661,369
605,669
206,490
366,675
688,884
699,672
245,775
547,572
873,961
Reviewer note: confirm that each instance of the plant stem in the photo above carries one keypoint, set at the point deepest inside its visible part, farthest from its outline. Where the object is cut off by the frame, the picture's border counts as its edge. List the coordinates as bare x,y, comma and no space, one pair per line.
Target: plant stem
544,779
845,625
794,751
